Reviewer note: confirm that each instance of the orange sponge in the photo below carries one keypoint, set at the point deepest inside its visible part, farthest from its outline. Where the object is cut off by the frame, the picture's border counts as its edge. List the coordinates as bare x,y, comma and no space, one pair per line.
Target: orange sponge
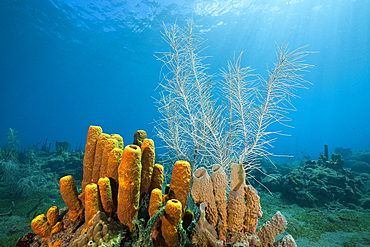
41,226
157,177
114,160
109,146
56,228
52,215
56,244
70,197
171,221
147,162
99,156
45,226
129,176
180,182
88,162
91,202
155,201
106,196
139,137
119,140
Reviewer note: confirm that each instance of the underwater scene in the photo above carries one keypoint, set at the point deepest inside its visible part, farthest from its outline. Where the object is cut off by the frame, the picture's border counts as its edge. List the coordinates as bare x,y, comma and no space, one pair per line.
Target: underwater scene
185,123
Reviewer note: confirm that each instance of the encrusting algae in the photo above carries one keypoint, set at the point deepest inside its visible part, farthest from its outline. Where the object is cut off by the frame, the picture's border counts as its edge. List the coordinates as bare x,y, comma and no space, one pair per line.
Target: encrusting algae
126,206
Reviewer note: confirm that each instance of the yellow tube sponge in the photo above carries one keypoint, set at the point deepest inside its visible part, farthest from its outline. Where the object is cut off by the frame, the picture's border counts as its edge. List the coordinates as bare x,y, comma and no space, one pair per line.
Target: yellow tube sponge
119,140
88,162
52,215
45,226
139,137
202,191
171,221
109,146
155,201
113,163
129,175
219,179
56,228
180,182
106,196
69,194
147,162
41,226
157,177
91,202
99,156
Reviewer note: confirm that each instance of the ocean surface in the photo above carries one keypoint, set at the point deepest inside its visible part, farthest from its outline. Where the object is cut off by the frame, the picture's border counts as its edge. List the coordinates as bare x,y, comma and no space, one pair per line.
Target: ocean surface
69,64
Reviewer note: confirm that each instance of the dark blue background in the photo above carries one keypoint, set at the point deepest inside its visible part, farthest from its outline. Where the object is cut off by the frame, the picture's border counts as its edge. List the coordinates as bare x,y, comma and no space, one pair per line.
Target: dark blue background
65,65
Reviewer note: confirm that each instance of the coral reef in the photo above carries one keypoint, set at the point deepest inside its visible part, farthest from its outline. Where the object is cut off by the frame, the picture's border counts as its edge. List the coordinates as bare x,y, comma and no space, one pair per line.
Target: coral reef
62,146
22,179
361,167
91,218
74,230
321,182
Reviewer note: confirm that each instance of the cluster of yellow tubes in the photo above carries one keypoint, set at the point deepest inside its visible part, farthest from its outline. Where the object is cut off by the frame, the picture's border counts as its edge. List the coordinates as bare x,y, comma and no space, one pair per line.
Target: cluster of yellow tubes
115,180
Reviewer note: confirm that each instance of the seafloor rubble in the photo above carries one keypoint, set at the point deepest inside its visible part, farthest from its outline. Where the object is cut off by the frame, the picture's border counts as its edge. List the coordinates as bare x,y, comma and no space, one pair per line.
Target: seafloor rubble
121,203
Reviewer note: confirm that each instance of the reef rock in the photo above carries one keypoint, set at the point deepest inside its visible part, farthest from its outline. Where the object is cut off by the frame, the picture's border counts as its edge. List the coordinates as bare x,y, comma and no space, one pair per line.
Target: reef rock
361,167
315,185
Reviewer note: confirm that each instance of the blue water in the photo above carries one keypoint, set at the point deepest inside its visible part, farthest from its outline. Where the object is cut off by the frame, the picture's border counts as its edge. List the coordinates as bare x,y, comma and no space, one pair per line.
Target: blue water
65,65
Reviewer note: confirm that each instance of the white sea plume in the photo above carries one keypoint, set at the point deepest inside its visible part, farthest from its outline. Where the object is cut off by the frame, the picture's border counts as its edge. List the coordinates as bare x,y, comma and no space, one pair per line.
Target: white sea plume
203,129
